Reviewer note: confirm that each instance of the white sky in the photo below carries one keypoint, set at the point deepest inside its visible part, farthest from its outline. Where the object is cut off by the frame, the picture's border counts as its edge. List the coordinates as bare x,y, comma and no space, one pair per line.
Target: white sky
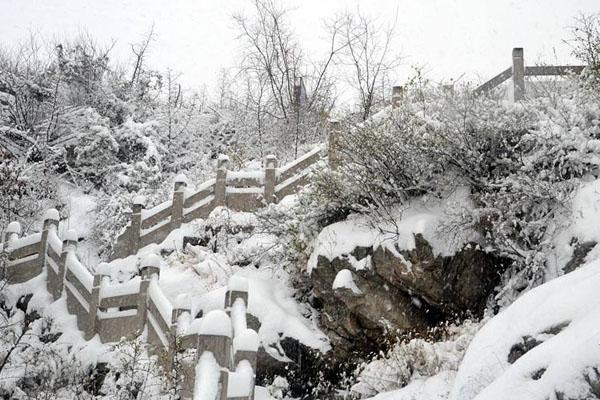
197,37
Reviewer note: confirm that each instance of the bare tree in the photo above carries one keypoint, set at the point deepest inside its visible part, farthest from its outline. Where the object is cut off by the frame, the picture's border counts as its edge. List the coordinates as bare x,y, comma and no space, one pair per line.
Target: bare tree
368,53
274,64
140,51
585,39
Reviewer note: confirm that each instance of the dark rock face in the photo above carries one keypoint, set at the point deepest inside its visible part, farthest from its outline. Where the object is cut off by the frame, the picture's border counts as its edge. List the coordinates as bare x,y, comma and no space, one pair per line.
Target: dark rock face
579,253
403,290
519,349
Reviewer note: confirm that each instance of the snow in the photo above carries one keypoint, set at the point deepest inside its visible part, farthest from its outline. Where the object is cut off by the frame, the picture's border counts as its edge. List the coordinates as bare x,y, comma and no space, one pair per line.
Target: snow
223,157
297,161
52,214
139,200
241,381
572,299
238,316
160,301
24,241
14,227
344,280
181,178
246,341
206,386
121,289
279,314
216,323
235,175
23,259
249,190
203,186
116,314
77,295
80,209
238,283
80,272
201,203
71,235
54,241
151,260
156,209
291,179
422,216
431,388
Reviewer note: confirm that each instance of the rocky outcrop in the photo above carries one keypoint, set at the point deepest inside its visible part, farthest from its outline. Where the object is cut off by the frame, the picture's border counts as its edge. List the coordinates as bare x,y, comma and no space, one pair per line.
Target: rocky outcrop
403,290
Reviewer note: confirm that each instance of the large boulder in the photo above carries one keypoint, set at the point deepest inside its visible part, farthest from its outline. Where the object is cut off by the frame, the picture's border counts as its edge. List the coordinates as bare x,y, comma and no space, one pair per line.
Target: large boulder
398,290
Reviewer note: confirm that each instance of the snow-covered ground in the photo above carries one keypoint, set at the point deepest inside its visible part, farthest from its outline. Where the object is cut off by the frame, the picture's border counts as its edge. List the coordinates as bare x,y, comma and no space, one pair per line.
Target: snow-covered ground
199,277
421,216
547,343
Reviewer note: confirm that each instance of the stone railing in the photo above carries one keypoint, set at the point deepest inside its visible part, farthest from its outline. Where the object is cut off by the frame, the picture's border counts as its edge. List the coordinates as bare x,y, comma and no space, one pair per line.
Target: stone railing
518,71
116,310
237,190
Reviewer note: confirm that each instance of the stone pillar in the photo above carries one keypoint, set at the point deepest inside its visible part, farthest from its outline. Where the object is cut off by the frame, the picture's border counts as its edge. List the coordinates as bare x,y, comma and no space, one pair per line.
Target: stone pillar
221,181
178,198
13,230
518,71
334,143
135,226
51,218
270,178
149,266
69,245
223,383
90,329
397,96
142,303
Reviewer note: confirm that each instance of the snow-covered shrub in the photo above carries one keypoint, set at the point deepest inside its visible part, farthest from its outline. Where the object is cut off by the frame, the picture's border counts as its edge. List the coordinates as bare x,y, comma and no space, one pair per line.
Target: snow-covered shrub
26,191
414,359
133,374
521,161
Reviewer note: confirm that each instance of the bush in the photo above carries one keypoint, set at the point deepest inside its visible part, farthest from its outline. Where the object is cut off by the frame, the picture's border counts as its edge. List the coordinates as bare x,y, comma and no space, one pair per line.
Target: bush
521,162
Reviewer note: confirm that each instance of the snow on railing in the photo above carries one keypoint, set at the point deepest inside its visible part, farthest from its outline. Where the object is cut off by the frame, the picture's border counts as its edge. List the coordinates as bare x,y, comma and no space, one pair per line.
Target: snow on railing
116,310
163,305
237,190
79,271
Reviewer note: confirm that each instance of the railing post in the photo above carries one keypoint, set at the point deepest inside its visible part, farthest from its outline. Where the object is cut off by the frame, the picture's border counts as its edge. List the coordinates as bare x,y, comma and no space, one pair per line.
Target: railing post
397,95
270,178
51,218
221,181
135,225
178,197
69,245
518,70
13,230
333,150
90,330
142,302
